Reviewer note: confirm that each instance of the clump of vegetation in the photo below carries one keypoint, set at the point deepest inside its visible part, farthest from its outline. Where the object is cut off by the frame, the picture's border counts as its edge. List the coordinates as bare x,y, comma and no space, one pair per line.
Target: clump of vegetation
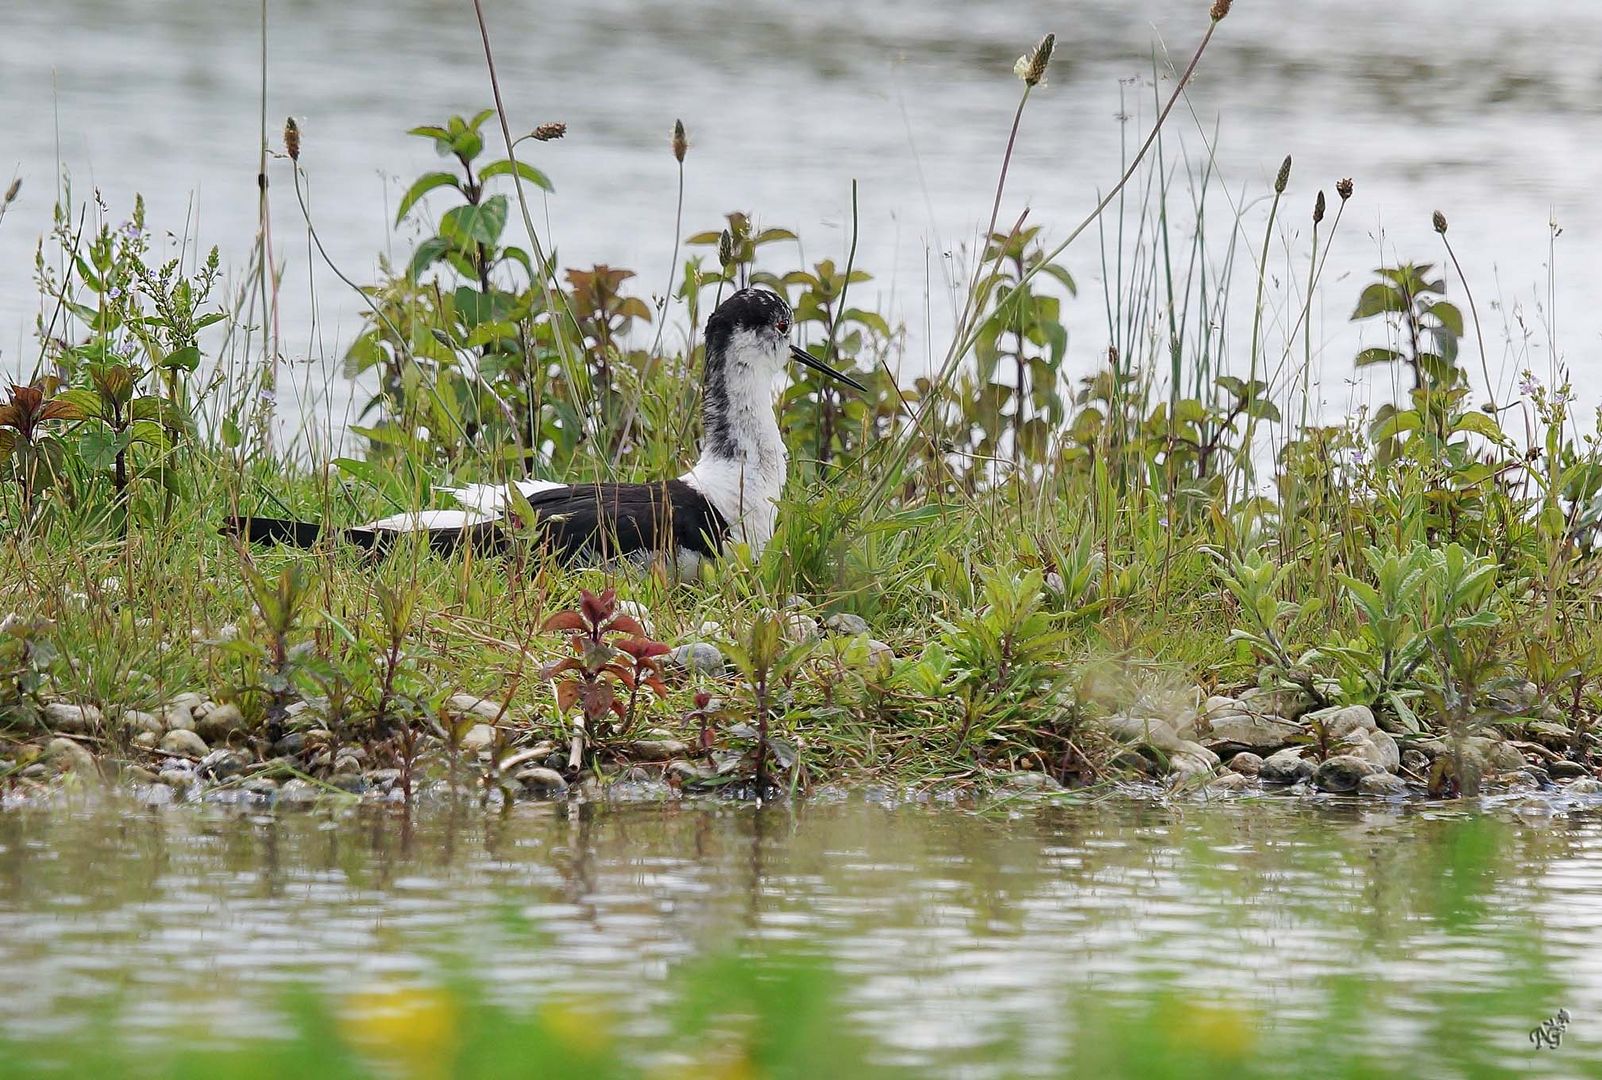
1000,526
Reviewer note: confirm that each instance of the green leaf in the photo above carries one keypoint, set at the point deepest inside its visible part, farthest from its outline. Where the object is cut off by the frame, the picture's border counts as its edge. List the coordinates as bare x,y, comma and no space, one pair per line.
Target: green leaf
1450,317
524,169
1480,424
425,183
98,449
1379,299
185,359
1369,357
375,477
428,253
480,224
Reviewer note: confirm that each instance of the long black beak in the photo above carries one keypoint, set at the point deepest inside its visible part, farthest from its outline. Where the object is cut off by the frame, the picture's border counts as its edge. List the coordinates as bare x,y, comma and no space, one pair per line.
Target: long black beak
800,354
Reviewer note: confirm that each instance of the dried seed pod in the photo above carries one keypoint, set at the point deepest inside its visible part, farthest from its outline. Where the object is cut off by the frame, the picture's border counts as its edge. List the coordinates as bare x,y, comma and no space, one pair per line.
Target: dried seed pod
1283,178
726,249
1318,208
292,139
1032,68
1220,9
1343,188
681,144
1439,221
553,130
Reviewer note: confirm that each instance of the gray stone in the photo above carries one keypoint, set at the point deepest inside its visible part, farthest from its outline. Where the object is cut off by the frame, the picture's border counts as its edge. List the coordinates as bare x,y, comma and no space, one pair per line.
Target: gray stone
1228,782
217,723
1246,763
177,717
184,741
70,755
1378,747
697,658
1343,772
464,706
1261,732
541,783
222,764
1504,758
1288,703
688,772
297,793
263,787
176,777
1286,767
1342,720
1029,781
290,745
189,702
1415,761
1567,770
155,796
72,719
880,655
1192,759
1145,731
800,627
844,622
1585,785
148,723
658,749
1382,785
478,737
384,779
147,740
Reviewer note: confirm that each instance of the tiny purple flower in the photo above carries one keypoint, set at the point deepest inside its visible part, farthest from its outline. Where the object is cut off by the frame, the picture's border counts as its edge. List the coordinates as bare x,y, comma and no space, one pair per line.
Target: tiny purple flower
1529,386
115,292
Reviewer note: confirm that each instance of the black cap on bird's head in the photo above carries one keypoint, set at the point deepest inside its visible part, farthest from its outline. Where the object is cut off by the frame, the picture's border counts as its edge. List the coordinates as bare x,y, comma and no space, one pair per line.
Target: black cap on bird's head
762,316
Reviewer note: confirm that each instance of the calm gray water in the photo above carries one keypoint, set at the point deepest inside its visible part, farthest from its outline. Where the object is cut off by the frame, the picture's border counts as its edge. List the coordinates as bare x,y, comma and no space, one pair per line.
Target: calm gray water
967,940
1490,112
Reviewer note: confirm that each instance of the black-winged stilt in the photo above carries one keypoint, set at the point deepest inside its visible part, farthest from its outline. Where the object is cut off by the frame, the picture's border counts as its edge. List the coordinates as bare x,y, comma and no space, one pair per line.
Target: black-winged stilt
730,495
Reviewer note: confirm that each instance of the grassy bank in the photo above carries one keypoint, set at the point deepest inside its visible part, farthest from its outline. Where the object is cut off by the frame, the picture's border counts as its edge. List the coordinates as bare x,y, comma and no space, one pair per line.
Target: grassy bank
993,568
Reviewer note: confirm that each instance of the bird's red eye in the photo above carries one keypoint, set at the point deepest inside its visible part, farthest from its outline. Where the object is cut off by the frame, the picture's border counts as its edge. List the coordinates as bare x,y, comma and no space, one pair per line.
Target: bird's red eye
783,326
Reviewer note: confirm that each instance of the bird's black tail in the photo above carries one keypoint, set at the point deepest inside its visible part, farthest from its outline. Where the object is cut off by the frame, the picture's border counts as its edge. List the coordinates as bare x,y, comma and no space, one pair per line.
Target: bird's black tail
484,538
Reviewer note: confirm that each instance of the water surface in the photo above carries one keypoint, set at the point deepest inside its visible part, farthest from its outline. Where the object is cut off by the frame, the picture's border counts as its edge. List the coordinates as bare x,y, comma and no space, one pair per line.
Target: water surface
967,942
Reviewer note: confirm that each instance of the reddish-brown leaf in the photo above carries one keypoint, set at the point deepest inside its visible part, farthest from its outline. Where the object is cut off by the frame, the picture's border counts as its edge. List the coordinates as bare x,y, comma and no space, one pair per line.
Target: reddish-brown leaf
624,624
567,695
563,620
555,669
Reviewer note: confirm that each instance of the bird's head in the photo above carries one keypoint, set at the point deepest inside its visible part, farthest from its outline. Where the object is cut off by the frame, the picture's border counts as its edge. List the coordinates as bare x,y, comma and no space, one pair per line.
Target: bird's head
752,328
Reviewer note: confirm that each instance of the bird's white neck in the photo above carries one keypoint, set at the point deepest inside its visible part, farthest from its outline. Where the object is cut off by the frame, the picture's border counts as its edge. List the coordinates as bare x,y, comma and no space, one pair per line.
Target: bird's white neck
742,466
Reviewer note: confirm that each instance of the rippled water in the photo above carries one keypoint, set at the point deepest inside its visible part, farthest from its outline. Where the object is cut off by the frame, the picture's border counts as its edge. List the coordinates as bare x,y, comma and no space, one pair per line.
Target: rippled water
965,939
1490,112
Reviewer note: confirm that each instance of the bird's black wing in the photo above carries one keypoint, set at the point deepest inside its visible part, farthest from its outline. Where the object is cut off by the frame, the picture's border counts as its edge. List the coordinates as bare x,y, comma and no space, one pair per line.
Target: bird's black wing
608,521
584,522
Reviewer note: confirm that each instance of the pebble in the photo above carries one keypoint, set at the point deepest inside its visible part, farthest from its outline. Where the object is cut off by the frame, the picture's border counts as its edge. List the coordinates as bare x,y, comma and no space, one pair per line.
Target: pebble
1246,763
540,782
800,628
1286,767
880,654
844,622
1382,785
186,742
1343,772
639,613
147,740
1146,731
1342,720
1375,746
219,721
221,764
176,777
1585,785
688,772
1029,781
72,719
297,793
1567,770
478,737
711,628
658,749
1230,782
466,705
155,796
261,786
697,658
1263,732
291,744
145,722
68,754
